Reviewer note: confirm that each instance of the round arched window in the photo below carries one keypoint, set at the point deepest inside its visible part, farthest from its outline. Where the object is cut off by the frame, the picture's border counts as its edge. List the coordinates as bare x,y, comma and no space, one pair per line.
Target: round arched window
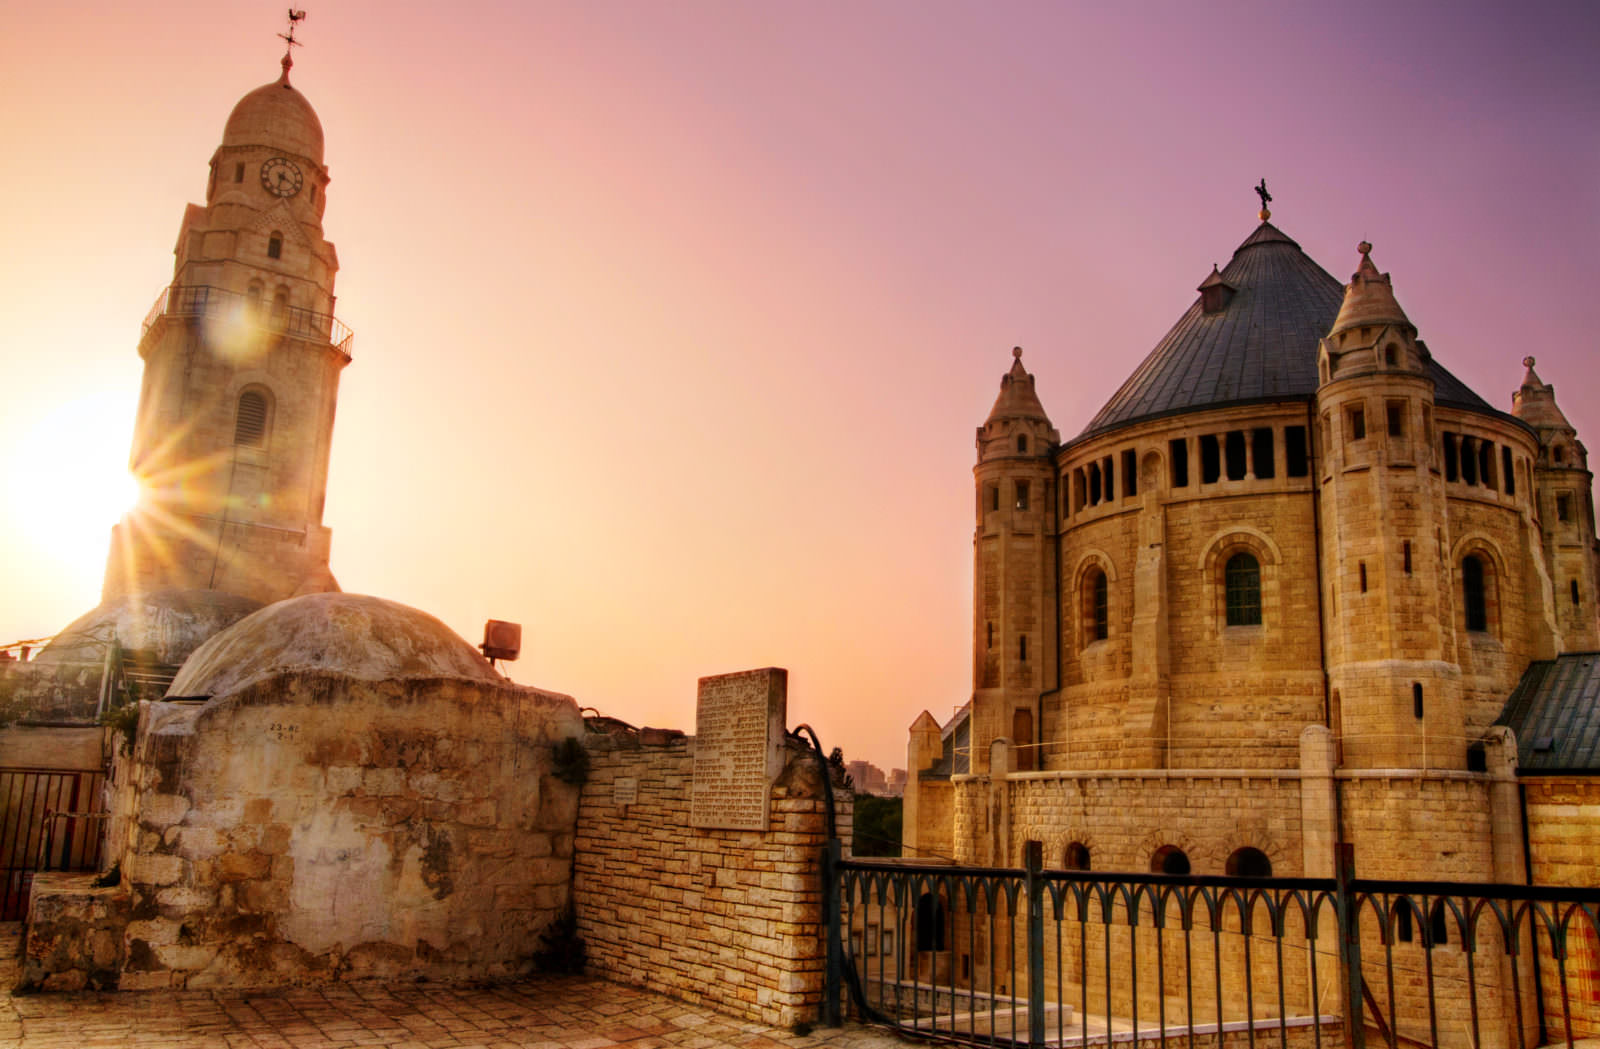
1077,857
1169,859
1241,578
1249,862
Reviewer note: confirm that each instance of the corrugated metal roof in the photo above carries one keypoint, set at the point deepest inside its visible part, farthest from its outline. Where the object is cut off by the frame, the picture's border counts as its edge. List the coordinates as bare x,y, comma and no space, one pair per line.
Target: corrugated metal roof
1555,712
1261,346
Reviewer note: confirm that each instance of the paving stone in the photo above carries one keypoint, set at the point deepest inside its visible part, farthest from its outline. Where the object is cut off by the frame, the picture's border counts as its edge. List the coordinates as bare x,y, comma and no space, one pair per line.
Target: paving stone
555,1013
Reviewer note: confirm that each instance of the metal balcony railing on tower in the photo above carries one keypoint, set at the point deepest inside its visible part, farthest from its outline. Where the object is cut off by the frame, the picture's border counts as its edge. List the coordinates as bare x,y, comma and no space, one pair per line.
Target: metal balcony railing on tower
201,300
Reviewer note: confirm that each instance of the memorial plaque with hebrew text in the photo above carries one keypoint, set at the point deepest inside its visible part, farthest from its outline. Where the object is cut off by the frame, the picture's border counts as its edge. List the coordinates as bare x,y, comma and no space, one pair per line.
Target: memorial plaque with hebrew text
738,748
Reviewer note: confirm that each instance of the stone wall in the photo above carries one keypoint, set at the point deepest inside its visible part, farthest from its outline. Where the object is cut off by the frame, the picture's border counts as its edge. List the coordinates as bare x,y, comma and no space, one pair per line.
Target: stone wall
725,918
315,827
1563,827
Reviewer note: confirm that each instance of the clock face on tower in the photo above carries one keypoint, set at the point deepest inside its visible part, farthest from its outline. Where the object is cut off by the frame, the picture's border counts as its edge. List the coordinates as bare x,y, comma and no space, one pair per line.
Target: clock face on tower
280,177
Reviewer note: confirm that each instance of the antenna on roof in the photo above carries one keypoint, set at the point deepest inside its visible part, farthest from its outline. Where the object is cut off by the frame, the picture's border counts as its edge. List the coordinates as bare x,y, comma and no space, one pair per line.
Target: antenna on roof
1266,198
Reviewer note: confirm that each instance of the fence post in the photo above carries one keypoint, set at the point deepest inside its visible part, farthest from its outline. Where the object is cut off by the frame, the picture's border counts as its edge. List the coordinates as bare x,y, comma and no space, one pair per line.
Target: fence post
831,1012
1344,872
1034,859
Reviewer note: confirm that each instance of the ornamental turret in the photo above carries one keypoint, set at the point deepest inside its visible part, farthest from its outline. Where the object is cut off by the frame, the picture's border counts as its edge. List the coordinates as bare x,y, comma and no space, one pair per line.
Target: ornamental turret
1564,491
242,358
1014,602
1394,693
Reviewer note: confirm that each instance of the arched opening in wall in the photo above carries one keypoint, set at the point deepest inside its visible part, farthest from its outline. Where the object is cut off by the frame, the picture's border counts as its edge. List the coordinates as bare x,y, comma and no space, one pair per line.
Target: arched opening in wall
1076,857
1400,912
252,298
1150,472
280,307
1475,592
1022,740
1438,924
252,418
1022,444
1241,580
275,245
1169,859
1248,862
930,923
1096,606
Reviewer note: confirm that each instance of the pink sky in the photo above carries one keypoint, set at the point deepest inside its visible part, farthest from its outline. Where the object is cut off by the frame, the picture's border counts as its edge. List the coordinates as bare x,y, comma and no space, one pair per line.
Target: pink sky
674,320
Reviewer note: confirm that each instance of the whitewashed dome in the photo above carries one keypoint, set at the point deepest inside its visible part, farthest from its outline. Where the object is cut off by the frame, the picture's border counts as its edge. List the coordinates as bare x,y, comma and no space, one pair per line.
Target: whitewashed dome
353,635
167,624
277,116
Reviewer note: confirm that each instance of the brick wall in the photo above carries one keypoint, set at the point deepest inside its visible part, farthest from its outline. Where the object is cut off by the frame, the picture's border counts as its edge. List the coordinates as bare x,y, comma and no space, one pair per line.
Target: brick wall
730,919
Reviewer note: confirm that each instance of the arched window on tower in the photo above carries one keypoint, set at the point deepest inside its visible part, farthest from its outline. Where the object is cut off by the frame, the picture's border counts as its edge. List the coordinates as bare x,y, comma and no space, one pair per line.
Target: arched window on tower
1474,593
251,419
275,245
1096,607
1077,857
1241,578
1022,444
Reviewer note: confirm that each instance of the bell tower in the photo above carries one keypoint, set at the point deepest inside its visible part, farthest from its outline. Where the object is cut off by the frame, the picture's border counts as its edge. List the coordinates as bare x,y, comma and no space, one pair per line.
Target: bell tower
1014,642
242,358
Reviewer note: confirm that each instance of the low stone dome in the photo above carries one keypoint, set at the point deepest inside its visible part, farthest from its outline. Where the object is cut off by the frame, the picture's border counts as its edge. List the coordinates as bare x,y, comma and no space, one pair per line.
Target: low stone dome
167,625
349,634
276,115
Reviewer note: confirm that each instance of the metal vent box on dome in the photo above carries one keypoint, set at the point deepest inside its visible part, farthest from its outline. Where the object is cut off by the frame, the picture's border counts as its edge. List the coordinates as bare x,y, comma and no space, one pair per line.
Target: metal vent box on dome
501,640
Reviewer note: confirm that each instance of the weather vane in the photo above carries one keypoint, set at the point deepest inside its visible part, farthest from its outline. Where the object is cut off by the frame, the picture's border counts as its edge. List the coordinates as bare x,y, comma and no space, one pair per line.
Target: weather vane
1261,191
294,18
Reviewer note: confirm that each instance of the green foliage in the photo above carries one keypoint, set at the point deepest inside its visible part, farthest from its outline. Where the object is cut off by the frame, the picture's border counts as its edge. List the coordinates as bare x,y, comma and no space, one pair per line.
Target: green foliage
561,949
570,762
124,720
876,827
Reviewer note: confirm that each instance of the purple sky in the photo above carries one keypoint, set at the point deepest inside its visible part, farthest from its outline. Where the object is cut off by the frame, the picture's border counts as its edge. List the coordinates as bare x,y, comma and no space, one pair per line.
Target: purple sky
674,321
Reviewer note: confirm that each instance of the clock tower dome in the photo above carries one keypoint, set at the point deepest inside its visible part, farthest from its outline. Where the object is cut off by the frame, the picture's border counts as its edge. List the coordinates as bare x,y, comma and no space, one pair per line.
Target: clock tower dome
242,358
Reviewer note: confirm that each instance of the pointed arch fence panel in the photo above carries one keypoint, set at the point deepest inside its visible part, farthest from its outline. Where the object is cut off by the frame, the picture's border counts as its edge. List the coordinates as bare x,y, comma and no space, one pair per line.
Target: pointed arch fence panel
1034,957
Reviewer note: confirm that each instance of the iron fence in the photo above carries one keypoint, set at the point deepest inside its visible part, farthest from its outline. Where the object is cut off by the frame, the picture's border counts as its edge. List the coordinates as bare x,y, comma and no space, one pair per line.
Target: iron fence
49,820
1064,958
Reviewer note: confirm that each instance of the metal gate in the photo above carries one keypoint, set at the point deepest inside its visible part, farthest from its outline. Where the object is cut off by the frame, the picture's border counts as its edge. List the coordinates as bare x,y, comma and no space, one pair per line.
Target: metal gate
50,820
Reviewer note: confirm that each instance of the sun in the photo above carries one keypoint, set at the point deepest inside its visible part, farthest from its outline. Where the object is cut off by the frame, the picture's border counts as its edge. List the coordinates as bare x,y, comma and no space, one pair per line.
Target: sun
72,482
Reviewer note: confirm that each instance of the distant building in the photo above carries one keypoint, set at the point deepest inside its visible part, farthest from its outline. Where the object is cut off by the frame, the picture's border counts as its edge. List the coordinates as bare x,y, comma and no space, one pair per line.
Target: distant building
867,777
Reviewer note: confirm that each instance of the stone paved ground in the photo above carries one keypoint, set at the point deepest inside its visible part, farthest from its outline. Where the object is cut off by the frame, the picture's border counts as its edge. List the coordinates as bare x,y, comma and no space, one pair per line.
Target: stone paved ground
550,1013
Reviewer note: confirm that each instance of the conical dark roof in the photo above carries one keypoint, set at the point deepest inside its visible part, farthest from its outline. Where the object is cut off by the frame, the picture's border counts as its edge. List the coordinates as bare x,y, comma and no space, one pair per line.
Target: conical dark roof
1260,346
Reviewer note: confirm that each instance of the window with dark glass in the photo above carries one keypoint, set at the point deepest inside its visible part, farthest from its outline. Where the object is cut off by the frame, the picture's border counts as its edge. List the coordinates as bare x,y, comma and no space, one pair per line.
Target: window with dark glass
1295,451
1261,453
1099,606
1473,598
1242,582
1180,463
1022,495
1210,459
1022,444
275,245
1233,445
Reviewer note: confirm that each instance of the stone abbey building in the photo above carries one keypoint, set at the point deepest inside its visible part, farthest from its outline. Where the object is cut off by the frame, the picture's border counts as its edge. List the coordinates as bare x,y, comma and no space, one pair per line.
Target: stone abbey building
1294,585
